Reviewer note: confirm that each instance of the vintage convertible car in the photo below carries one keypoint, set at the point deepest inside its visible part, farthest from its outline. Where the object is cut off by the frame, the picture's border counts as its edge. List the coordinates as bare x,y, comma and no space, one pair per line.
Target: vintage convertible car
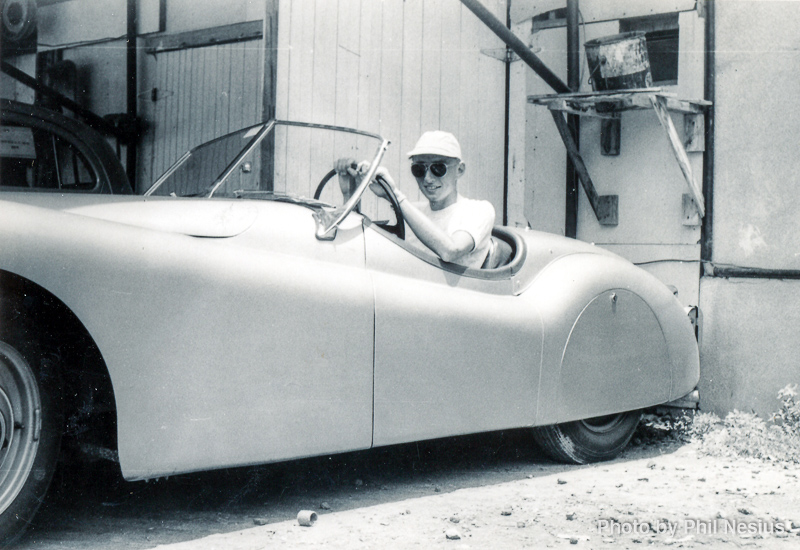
223,320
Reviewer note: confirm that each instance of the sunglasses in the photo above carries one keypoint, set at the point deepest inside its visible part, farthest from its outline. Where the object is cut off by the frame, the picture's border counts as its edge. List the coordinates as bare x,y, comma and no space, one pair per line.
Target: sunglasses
419,169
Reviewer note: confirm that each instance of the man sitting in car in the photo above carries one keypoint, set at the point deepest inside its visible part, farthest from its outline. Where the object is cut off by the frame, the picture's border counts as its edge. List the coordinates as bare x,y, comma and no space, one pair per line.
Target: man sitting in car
455,228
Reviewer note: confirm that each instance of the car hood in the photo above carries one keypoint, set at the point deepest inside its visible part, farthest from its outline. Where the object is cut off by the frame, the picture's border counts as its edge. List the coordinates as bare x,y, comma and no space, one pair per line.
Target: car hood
193,217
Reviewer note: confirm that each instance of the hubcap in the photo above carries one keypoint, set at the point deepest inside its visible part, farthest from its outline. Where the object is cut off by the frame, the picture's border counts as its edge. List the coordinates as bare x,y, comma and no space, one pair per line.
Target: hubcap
20,422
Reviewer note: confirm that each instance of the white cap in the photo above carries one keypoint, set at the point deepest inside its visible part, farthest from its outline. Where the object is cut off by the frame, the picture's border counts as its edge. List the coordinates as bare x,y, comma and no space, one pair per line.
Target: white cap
437,143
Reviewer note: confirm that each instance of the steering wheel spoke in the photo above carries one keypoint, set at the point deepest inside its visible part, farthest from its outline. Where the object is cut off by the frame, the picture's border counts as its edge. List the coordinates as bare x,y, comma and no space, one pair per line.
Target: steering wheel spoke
398,228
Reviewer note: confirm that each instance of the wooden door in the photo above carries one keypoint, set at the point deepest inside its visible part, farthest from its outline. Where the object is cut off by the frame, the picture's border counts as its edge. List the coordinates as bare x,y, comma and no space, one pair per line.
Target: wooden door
193,95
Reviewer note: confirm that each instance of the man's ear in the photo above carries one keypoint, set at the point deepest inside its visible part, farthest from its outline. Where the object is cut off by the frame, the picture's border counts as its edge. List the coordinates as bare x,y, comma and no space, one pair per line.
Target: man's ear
461,169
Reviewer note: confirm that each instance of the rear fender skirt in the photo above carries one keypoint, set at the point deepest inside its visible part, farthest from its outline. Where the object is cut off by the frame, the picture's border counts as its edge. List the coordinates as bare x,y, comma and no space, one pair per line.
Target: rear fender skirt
615,339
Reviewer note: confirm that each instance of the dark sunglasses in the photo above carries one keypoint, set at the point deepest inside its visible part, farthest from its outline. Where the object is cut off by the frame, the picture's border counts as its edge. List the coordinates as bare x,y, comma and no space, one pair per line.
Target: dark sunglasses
438,169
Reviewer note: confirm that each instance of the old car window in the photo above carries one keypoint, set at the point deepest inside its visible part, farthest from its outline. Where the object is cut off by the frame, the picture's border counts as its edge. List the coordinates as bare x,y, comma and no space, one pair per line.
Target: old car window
36,159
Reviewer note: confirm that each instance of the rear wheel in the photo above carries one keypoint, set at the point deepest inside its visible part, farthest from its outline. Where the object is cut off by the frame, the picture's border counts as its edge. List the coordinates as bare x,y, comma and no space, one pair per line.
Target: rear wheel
590,440
30,435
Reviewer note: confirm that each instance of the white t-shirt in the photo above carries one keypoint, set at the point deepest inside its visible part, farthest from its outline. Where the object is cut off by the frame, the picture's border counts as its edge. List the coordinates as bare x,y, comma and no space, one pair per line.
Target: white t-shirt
476,217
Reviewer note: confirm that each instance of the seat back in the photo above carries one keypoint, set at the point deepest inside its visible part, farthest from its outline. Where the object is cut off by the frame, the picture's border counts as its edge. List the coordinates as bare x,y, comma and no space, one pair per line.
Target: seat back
499,255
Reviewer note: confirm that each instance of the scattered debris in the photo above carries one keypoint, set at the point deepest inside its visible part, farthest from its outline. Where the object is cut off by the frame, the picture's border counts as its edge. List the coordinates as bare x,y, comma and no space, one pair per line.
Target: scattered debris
306,518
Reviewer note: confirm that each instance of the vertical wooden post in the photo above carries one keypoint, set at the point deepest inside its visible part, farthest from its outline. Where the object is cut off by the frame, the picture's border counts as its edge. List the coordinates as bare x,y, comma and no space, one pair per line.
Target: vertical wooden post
573,122
131,89
270,92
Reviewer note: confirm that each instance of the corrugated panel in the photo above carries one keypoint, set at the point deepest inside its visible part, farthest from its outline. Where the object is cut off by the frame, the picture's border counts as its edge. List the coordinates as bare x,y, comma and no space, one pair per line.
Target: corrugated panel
194,95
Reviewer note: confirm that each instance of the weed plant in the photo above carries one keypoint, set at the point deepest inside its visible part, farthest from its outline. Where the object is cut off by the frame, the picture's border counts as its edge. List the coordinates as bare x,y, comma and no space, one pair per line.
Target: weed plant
739,434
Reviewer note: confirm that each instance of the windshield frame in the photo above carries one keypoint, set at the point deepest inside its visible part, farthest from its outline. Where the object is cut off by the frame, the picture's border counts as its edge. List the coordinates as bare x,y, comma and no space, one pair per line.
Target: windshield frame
264,129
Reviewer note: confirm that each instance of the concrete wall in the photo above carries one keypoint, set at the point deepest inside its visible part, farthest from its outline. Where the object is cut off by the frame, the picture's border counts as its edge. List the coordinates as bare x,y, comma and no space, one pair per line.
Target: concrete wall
751,345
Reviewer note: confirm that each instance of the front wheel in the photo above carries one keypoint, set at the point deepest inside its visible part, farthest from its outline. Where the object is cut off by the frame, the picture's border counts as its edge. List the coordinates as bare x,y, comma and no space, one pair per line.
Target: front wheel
590,440
30,436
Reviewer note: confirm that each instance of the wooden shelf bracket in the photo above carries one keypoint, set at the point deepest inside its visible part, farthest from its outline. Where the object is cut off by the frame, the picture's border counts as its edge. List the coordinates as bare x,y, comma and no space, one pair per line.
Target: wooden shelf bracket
609,105
606,207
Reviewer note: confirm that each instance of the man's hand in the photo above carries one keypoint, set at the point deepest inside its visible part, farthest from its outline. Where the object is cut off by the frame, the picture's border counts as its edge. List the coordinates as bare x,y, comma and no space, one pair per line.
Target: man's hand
349,176
351,173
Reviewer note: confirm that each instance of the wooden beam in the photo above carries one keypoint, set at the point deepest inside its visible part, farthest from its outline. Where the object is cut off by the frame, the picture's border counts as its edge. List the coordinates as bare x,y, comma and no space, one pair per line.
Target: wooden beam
238,32
606,207
660,106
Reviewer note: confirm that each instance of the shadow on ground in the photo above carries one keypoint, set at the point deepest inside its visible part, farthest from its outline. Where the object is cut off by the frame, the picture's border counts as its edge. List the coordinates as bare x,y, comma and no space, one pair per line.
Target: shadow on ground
90,506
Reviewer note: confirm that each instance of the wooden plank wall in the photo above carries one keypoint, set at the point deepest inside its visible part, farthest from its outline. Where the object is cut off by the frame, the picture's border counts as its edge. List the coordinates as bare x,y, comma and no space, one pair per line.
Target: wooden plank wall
397,68
194,95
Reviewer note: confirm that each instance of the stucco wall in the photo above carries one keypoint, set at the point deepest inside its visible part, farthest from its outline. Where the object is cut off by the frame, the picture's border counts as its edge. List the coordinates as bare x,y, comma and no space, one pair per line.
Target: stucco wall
756,203
751,346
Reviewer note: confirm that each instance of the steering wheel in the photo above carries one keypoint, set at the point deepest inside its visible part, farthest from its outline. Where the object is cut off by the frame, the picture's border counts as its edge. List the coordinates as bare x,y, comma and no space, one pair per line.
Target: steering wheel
398,228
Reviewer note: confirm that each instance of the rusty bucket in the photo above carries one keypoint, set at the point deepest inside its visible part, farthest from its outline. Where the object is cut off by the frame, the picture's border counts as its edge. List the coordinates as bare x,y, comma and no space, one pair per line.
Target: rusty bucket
619,62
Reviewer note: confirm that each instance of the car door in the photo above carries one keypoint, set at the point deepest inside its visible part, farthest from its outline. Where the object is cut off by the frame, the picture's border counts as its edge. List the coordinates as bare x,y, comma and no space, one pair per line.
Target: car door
453,354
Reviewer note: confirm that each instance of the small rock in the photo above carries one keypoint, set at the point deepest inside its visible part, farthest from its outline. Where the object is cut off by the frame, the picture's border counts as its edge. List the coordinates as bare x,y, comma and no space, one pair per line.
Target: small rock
744,511
701,479
325,506
643,479
561,481
795,525
454,519
520,525
452,534
651,465
437,489
260,521
384,487
573,541
571,516
359,483
408,512
506,511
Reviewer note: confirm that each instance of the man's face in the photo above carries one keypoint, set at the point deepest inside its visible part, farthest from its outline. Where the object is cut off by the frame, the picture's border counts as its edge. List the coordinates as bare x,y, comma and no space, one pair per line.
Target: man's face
441,191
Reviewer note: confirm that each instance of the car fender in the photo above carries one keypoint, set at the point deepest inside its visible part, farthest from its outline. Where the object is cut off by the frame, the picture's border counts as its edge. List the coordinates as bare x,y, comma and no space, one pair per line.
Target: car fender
615,339
193,332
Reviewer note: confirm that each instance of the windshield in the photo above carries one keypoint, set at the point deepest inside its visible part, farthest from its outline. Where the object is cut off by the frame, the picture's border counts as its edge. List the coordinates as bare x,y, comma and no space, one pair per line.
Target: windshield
276,160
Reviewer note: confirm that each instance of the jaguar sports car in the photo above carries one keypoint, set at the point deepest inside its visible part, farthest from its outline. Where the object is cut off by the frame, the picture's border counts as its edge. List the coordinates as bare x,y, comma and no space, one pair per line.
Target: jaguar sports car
240,312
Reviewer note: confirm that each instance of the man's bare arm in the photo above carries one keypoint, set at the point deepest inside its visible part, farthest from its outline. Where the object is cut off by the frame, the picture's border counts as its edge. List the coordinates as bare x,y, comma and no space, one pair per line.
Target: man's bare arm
448,247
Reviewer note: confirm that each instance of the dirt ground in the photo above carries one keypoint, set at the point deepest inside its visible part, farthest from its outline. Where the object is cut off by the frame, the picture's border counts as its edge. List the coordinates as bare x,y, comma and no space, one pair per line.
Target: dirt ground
486,491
